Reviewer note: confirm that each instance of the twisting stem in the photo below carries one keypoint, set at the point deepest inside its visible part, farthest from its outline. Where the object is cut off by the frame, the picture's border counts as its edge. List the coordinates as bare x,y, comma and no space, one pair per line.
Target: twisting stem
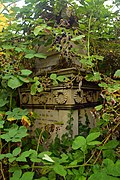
1,169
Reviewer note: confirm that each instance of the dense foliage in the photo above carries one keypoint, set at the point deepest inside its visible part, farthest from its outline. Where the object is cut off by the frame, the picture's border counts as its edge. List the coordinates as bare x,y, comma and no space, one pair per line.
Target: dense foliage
49,22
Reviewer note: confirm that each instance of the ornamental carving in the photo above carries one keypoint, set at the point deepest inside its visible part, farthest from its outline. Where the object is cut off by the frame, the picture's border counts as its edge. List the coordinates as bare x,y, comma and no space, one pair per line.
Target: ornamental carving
25,98
78,96
61,97
89,96
41,98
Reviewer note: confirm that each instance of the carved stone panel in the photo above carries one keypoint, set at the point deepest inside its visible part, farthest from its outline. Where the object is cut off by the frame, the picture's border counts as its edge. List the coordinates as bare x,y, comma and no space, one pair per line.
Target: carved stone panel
55,121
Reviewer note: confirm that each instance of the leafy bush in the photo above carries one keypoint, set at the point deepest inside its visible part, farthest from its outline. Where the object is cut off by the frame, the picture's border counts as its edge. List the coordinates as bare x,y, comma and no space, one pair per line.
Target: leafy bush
22,31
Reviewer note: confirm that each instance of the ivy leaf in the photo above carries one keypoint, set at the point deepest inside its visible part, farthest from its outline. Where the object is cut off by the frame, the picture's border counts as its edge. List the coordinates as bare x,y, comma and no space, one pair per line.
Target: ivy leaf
3,102
18,49
26,72
27,175
103,84
14,83
99,107
106,117
100,176
79,142
1,124
59,169
24,79
39,28
33,89
47,158
16,175
40,89
77,38
61,78
53,76
42,178
16,151
98,57
92,136
29,56
8,47
2,156
40,55
110,145
117,74
95,77
92,143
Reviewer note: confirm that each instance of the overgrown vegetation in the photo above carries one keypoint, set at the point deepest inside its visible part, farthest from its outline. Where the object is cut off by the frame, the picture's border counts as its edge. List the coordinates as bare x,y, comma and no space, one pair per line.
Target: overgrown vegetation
22,30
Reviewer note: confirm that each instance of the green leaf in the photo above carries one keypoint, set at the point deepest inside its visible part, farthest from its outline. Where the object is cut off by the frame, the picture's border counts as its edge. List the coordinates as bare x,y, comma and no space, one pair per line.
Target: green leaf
95,77
1,123
103,84
59,169
53,76
35,159
37,30
110,145
40,89
8,47
25,166
98,57
117,74
33,89
112,169
14,83
92,136
42,178
26,72
29,56
82,178
55,83
101,176
3,102
92,143
11,159
47,158
41,155
79,142
16,175
99,107
24,79
106,116
18,49
73,163
2,156
5,137
21,159
77,38
40,55
61,78
27,176
109,153
16,151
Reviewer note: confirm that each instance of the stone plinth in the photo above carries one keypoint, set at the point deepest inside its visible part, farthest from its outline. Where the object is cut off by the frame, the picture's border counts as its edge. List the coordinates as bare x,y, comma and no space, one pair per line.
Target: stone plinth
54,105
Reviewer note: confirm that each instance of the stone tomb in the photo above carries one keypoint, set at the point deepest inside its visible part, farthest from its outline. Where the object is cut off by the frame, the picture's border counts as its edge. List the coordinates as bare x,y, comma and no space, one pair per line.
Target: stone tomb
54,105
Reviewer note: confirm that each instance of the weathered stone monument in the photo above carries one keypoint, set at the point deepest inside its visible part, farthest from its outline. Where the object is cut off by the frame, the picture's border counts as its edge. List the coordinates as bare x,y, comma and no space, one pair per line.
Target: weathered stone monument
54,105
